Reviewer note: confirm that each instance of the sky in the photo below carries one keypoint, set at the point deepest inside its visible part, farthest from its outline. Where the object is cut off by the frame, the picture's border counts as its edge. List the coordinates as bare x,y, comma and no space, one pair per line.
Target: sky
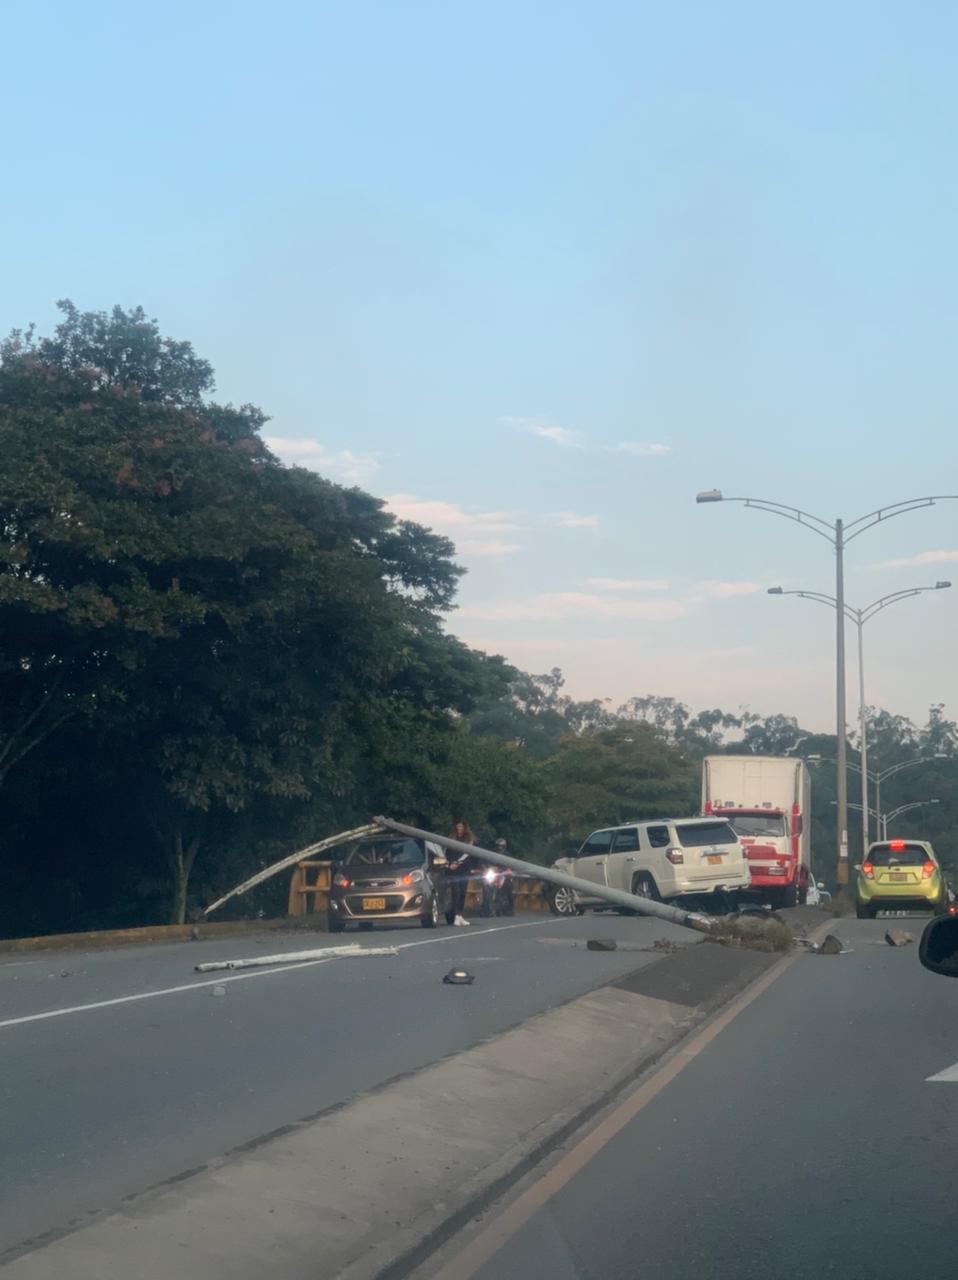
535,275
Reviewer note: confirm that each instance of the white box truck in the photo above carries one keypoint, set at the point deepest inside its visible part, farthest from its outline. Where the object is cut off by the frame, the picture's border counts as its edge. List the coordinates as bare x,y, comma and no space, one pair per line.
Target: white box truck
767,799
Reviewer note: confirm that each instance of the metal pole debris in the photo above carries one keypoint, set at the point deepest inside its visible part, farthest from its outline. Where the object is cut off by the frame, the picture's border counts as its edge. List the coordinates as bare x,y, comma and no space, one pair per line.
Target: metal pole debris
293,957
370,829
643,906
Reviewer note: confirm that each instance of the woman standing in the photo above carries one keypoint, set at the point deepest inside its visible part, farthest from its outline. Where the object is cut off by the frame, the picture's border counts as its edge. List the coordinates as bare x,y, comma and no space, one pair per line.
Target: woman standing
461,867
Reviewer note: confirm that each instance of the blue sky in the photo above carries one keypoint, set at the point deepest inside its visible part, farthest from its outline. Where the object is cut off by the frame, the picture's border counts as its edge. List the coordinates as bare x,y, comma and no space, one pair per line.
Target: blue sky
538,273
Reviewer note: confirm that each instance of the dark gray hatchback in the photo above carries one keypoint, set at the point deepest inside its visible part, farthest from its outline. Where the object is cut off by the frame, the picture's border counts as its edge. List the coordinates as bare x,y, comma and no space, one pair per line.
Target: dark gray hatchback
390,879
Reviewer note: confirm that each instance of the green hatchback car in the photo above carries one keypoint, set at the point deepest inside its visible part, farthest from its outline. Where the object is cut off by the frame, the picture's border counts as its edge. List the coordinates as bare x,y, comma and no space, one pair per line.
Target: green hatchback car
900,875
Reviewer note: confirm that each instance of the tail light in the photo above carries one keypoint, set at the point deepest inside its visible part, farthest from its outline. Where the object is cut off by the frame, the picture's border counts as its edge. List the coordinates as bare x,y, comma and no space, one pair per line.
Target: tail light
927,870
896,846
340,880
868,871
952,909
676,857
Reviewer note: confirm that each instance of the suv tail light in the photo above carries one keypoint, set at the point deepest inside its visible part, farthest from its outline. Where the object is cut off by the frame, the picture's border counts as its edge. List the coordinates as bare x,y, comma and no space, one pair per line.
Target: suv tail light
927,870
675,856
868,871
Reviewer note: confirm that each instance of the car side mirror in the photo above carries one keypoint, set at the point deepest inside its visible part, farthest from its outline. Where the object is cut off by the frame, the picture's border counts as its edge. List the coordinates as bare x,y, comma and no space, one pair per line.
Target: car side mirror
938,949
821,884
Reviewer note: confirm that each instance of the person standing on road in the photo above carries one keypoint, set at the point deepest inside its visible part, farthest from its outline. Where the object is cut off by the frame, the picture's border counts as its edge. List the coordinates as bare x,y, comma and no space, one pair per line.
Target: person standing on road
497,891
461,867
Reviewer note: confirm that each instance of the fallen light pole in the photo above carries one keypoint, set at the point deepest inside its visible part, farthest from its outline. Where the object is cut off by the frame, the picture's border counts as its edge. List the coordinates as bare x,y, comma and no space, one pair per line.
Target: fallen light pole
696,920
617,897
370,829
353,950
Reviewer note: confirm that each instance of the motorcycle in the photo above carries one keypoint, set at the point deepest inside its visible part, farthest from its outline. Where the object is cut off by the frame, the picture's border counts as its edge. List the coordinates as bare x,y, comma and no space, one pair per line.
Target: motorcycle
497,892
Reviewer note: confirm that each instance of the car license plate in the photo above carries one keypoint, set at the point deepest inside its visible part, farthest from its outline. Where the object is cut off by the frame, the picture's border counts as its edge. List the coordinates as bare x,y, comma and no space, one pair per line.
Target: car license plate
374,904
714,859
898,876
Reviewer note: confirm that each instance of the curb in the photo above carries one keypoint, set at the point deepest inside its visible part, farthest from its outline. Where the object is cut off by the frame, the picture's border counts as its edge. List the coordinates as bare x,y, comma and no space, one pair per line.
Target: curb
151,934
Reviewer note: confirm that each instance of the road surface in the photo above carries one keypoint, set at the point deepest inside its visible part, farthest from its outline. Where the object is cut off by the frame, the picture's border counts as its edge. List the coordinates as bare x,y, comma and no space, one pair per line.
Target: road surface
804,1140
144,1072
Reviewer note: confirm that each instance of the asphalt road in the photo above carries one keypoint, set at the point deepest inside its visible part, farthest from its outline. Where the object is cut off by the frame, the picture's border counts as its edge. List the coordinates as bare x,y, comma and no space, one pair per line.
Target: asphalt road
805,1140
143,1072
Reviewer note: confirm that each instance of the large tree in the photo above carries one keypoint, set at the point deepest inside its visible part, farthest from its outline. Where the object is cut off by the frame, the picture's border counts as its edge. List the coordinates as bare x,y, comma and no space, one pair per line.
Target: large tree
223,620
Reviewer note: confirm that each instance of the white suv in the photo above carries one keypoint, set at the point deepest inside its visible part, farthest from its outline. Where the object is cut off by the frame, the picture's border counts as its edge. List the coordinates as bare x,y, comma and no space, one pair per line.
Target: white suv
662,860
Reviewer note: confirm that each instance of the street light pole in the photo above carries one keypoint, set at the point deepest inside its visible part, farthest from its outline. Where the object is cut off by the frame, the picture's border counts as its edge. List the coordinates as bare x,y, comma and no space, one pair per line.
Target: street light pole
839,535
863,732
840,725
883,819
860,617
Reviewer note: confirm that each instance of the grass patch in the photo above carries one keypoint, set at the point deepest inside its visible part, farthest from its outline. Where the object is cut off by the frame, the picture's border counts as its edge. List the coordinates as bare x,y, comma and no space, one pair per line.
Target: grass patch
750,933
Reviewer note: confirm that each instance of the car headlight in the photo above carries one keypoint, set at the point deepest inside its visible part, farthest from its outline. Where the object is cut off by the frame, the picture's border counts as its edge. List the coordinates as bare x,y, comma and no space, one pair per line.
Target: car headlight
489,875
414,877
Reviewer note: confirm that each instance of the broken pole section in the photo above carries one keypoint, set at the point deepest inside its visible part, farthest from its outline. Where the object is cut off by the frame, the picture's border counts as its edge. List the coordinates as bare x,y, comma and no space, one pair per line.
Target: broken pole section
696,920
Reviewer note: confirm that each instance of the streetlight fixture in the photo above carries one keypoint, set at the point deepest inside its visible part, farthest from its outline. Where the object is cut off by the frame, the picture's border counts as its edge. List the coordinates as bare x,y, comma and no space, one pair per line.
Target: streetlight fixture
860,617
885,818
903,808
839,534
879,777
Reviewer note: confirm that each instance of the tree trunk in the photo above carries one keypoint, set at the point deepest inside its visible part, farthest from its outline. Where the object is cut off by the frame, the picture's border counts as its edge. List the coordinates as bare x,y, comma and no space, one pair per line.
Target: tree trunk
181,861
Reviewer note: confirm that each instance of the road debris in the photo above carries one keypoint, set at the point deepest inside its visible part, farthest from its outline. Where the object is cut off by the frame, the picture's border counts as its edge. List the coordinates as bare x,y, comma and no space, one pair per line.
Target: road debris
899,938
753,933
350,952
601,944
829,946
458,978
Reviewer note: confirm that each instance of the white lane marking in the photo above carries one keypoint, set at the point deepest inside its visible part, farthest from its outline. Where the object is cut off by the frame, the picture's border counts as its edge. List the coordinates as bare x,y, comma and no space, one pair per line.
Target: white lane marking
259,973
948,1076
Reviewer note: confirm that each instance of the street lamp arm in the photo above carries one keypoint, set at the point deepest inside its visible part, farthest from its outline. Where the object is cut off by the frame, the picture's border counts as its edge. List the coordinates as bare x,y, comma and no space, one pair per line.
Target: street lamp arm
805,518
904,808
893,597
904,764
855,527
822,597
857,807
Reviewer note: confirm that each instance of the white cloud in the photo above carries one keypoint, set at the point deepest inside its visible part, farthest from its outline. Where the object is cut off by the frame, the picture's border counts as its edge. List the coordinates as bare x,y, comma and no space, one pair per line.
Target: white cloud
487,547
641,450
556,605
569,520
342,465
474,532
628,584
922,558
564,437
724,590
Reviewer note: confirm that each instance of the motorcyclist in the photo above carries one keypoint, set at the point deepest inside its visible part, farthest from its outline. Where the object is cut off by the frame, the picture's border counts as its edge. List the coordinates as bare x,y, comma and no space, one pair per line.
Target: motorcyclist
497,892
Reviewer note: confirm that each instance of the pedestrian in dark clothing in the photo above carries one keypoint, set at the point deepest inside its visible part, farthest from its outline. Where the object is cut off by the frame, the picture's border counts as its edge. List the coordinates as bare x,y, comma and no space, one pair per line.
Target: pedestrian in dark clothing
461,868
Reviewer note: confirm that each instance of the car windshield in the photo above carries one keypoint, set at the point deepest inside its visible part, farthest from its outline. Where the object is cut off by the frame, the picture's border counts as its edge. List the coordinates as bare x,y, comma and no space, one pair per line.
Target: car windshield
758,824
897,855
694,834
385,853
